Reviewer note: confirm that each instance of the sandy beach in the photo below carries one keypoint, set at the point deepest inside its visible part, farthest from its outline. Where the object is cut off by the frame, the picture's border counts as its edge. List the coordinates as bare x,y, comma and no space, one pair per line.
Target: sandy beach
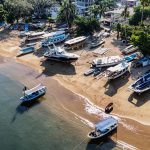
98,91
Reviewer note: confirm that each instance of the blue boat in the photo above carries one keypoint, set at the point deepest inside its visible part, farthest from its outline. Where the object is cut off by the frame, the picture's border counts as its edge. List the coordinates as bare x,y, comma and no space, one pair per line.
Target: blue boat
34,93
142,84
103,128
54,38
25,50
131,57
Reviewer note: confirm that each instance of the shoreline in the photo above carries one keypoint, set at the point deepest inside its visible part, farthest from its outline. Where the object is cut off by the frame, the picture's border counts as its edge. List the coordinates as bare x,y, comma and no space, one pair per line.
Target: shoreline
86,87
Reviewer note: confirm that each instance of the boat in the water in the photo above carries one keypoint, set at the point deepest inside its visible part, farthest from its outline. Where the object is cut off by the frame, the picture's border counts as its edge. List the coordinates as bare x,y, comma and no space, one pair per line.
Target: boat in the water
142,84
33,94
106,61
59,54
96,43
25,50
117,71
103,128
54,37
130,49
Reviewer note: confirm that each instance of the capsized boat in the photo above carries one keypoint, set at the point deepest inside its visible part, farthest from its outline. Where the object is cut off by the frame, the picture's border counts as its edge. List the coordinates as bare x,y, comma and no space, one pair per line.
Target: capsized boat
34,93
25,50
117,71
142,84
107,61
59,54
103,128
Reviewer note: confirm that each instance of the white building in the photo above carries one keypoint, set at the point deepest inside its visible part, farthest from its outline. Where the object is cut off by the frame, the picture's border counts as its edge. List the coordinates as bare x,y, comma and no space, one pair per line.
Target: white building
82,5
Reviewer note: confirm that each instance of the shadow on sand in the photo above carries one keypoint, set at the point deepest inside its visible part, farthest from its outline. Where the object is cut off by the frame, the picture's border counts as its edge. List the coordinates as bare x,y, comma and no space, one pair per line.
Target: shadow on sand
139,100
52,68
105,143
25,106
5,34
111,87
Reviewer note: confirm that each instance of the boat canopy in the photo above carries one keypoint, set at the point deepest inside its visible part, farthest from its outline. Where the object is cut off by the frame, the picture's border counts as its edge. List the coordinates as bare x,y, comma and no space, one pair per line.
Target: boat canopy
105,124
75,40
38,87
118,67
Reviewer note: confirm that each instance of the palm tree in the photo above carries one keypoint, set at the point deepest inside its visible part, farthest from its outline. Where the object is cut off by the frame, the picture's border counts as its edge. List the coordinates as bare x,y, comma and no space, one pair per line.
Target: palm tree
144,3
68,11
125,15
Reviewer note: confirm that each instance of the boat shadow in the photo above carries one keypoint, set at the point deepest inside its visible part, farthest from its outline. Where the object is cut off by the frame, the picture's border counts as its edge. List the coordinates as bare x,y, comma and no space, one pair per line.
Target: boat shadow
139,100
52,68
26,106
105,143
112,86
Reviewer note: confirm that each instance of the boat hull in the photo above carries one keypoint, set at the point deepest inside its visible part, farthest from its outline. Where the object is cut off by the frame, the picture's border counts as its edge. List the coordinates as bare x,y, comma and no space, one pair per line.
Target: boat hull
102,135
62,59
117,76
32,99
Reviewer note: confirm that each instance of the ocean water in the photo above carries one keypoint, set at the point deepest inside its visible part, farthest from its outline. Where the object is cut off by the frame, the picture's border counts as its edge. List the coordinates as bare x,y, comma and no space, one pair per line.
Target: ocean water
34,127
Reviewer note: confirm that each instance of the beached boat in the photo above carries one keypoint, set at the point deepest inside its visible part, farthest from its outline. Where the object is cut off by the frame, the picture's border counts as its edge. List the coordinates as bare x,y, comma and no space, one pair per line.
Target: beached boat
106,61
54,37
130,49
59,54
109,108
96,43
117,71
89,72
103,128
31,44
33,94
35,36
142,84
25,50
75,43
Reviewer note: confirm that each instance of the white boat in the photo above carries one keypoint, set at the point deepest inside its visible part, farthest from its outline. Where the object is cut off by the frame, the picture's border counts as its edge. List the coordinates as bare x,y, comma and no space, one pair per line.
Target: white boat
117,71
35,36
107,61
142,84
96,43
59,54
75,43
130,49
54,37
34,93
103,128
25,50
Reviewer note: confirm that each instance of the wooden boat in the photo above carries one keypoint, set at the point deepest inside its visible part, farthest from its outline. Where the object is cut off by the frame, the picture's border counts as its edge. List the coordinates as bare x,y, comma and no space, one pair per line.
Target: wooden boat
25,50
75,43
89,72
109,108
96,43
31,44
103,128
117,71
106,61
130,49
35,36
142,84
33,94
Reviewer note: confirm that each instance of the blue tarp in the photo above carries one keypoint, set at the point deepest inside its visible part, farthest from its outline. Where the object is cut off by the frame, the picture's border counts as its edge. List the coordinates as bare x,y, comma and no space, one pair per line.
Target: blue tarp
105,124
26,27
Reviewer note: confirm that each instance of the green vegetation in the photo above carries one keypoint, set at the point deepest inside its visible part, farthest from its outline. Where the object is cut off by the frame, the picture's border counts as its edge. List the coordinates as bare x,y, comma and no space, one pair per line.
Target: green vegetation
86,25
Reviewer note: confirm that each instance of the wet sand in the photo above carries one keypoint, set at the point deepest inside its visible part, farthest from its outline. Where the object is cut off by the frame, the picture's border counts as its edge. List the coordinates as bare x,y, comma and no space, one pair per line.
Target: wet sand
125,103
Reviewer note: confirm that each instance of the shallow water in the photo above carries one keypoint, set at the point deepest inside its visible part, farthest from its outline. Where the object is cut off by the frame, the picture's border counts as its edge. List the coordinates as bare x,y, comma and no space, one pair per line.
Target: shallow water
24,127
